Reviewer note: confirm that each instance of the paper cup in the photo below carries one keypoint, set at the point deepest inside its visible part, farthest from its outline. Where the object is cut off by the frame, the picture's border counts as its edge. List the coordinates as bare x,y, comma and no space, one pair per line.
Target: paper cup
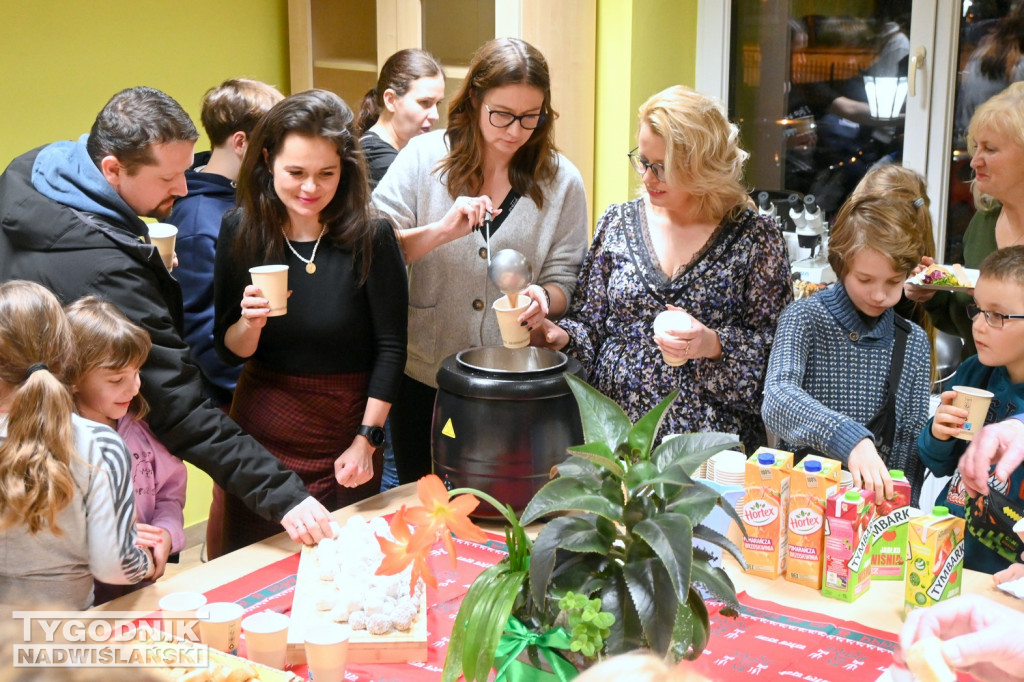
266,638
162,236
513,334
273,282
220,625
326,652
177,607
976,402
671,321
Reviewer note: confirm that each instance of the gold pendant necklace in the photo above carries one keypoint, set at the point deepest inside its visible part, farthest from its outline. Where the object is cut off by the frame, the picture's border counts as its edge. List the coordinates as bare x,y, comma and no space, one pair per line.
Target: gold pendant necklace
310,265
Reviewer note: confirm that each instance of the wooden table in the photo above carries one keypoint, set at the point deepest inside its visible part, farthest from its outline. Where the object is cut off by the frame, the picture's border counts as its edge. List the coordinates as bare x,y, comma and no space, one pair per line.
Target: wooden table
881,607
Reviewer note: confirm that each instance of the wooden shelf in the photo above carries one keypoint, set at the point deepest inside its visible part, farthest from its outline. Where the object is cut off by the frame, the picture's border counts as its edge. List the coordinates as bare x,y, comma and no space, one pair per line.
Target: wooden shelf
346,65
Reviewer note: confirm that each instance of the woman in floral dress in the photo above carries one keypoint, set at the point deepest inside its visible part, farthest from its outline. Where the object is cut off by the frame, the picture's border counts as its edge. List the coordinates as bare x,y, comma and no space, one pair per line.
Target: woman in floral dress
690,242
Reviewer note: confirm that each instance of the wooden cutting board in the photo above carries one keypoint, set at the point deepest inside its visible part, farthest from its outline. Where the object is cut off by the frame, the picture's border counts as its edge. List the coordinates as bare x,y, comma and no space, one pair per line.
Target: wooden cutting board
394,647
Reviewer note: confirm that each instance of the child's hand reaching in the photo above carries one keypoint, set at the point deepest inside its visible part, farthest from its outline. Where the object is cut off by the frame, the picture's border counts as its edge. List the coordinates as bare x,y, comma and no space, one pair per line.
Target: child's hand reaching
158,541
1012,572
948,419
869,471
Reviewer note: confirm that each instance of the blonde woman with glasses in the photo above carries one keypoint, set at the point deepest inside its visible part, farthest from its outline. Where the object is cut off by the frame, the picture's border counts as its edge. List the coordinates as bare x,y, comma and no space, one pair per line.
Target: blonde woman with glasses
690,242
496,159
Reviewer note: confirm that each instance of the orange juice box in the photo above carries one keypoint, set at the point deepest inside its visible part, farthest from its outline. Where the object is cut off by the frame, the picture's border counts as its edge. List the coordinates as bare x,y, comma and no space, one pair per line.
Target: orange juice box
765,510
846,570
935,563
889,531
811,483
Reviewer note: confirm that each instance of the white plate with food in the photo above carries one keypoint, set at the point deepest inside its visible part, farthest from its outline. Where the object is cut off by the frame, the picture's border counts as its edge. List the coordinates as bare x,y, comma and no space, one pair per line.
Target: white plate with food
946,278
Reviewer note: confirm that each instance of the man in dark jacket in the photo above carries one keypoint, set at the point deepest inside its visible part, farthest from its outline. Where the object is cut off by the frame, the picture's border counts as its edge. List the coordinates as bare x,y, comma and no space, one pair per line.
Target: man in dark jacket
69,221
230,112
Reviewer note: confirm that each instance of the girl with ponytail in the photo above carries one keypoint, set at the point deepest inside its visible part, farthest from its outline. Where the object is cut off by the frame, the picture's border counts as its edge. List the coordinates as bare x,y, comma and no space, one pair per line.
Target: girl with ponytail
66,506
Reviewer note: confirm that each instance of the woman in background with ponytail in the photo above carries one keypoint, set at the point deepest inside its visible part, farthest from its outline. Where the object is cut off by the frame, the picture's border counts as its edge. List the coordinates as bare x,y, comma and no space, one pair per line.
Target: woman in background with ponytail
67,513
402,106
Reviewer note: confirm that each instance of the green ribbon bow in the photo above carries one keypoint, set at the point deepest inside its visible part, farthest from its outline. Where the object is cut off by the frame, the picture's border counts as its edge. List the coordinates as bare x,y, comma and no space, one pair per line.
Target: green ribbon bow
516,638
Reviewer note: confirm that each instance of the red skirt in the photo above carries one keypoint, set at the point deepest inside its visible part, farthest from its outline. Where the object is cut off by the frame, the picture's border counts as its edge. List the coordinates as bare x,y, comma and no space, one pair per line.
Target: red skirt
307,421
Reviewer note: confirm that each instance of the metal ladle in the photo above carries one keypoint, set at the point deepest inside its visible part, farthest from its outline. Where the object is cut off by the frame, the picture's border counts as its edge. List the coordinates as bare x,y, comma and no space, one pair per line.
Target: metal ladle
510,272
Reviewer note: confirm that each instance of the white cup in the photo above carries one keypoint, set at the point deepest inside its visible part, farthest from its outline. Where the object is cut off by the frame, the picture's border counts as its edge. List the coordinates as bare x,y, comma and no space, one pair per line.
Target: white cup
163,236
220,625
326,652
671,321
266,638
976,402
513,333
273,282
177,607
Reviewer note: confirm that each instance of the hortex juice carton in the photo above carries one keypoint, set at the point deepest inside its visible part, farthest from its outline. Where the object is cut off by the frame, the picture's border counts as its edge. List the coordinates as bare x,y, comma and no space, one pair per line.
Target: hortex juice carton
935,563
889,531
846,570
811,483
765,510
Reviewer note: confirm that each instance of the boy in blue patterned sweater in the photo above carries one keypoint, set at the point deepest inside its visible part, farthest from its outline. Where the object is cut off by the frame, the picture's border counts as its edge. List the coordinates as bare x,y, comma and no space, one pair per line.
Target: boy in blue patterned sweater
998,329
827,386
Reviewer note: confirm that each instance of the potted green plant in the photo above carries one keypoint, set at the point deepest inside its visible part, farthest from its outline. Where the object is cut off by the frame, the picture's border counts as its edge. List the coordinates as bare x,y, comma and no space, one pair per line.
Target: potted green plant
628,515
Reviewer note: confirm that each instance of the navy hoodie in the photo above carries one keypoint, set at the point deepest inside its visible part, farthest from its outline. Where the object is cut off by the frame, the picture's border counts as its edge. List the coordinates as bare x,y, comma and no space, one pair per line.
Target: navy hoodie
198,216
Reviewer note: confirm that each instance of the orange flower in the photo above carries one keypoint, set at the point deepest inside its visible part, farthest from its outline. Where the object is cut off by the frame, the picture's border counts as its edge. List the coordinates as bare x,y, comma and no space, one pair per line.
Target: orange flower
402,552
441,516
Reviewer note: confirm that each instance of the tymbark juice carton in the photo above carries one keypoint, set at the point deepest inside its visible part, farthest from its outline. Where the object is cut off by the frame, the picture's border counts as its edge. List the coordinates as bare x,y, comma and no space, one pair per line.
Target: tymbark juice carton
935,563
846,571
765,510
889,531
811,483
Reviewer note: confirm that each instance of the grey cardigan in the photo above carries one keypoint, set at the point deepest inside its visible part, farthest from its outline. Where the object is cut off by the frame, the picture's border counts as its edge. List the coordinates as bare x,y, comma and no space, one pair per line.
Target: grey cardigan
450,295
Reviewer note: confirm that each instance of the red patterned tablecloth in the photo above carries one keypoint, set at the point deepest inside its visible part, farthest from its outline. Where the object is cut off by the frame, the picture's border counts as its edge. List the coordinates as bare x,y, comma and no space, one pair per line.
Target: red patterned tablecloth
767,641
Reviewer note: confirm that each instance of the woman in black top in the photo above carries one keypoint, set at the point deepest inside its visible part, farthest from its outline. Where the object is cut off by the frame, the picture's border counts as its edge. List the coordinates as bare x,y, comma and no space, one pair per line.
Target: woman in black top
318,381
401,106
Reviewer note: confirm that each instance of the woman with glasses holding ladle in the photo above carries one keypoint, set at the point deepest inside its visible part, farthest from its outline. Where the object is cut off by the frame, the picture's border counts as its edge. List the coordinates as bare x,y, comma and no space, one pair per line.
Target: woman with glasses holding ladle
690,242
496,160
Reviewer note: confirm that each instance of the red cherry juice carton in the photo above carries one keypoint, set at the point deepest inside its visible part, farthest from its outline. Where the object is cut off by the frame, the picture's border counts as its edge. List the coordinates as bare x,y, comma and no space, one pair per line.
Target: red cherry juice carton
765,510
846,570
811,483
936,559
889,531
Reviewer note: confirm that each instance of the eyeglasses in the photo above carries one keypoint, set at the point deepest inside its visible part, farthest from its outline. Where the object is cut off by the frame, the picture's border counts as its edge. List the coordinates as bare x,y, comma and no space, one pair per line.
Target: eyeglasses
640,165
992,318
503,119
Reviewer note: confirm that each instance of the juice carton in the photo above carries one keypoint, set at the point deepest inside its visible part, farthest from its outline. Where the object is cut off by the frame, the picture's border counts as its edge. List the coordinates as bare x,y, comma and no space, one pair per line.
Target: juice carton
889,531
936,560
765,510
846,570
811,483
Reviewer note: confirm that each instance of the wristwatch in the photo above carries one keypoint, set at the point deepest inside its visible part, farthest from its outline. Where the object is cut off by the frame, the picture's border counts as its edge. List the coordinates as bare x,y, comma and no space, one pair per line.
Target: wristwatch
374,434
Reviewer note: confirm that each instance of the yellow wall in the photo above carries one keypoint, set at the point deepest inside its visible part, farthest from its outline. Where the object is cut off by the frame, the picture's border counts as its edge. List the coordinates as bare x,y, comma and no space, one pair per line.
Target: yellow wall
643,46
62,60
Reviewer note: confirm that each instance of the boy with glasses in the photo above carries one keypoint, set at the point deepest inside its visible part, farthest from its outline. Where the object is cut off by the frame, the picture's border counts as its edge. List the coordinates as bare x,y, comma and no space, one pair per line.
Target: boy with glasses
997,315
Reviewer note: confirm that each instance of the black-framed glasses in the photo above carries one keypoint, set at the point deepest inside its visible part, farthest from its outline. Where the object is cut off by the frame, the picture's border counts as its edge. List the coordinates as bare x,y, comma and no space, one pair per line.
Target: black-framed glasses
640,165
503,119
992,318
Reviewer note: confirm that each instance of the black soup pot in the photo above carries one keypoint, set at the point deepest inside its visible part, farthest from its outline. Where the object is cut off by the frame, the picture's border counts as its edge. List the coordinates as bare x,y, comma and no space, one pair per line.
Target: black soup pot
503,418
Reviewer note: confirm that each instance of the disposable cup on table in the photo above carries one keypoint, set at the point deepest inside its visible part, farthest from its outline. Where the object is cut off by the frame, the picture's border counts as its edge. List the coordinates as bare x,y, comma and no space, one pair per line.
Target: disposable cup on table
163,236
327,652
178,607
266,638
220,625
976,402
273,282
513,333
671,321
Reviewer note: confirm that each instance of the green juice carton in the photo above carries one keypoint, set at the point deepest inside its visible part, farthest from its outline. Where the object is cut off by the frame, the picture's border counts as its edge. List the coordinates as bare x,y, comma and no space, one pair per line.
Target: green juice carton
846,570
935,564
889,531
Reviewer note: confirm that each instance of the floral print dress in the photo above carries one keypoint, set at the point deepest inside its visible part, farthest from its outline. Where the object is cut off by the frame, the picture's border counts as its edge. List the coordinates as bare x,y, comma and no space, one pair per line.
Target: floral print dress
737,285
